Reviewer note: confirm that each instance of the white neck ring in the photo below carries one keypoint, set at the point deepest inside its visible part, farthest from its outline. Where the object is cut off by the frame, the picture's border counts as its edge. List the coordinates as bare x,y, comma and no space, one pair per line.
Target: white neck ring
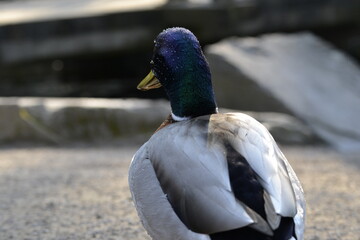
179,119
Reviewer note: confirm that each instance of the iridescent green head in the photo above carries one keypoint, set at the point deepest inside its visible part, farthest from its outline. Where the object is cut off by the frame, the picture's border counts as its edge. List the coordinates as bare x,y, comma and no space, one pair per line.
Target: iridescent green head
179,65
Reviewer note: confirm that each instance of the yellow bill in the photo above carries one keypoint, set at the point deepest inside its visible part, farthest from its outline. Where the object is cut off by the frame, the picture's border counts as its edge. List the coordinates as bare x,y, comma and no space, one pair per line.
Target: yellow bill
149,82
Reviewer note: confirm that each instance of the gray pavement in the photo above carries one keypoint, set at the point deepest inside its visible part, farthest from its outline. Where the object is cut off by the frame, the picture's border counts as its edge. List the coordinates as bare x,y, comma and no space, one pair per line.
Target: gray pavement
81,192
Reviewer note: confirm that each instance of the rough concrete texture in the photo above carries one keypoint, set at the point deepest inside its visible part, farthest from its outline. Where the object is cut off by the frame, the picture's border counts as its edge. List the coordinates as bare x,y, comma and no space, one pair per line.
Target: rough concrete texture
69,120
82,193
310,78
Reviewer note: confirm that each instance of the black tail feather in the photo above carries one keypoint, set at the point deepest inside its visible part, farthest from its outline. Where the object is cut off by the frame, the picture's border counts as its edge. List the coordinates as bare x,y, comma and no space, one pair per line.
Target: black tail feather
247,188
285,231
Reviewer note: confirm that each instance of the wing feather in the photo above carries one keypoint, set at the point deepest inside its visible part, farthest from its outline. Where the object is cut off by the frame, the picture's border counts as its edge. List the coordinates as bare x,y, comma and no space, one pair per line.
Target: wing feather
258,147
152,205
187,164
195,179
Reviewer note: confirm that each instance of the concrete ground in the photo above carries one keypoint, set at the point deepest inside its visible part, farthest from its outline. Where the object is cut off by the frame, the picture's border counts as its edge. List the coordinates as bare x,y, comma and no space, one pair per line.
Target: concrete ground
81,192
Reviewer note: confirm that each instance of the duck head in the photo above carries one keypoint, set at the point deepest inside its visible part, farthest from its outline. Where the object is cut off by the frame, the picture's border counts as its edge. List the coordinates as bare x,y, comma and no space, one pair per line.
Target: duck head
179,65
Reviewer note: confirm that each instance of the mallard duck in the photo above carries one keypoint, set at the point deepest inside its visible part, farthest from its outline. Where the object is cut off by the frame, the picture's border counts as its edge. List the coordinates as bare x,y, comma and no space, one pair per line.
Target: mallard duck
205,175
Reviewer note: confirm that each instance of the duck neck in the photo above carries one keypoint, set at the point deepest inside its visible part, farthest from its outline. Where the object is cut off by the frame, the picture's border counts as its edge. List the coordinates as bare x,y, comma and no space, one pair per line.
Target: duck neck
192,98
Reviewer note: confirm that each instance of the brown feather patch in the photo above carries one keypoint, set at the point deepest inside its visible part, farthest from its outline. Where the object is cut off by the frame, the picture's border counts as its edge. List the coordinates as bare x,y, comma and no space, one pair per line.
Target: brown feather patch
169,120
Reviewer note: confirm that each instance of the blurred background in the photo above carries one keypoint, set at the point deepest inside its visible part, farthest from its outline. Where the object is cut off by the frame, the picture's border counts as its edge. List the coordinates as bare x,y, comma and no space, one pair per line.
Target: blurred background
101,48
71,117
278,56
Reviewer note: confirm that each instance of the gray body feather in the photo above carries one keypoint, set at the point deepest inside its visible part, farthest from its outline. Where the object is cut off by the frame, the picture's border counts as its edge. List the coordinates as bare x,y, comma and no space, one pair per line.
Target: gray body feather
180,183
